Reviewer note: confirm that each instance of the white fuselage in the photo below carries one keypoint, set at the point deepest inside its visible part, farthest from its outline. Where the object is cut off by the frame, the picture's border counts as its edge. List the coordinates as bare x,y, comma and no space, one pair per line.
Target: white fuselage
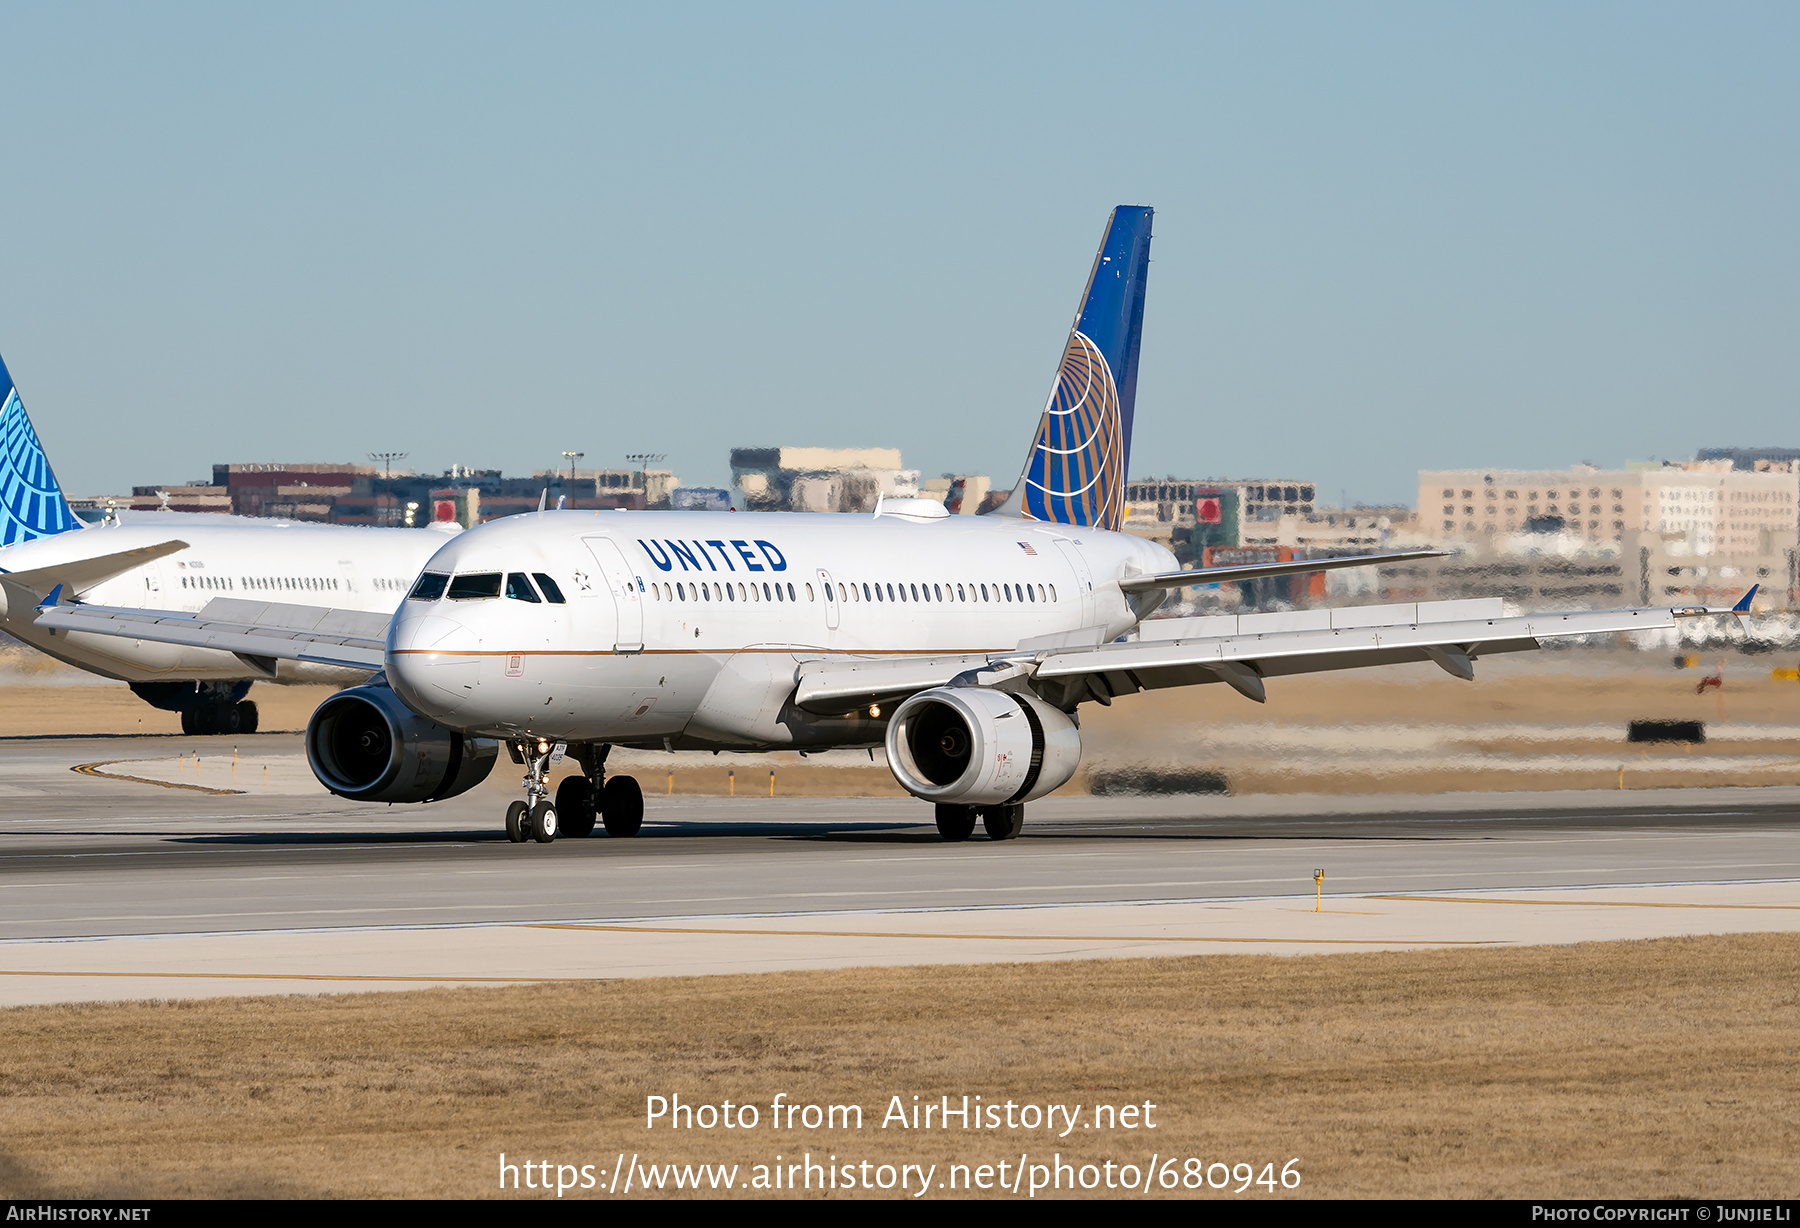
340,566
690,627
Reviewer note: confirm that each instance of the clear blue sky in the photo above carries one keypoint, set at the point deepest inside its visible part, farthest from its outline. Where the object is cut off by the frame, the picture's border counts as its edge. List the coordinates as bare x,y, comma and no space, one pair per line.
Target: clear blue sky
1388,236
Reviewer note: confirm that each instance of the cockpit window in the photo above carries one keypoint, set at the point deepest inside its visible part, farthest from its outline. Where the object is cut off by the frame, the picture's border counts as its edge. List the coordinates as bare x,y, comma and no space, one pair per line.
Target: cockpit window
430,587
519,588
477,584
552,594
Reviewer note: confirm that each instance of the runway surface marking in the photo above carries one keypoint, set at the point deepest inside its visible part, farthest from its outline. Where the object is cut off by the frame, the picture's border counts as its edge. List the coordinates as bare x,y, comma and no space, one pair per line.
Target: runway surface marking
1476,899
306,976
380,927
669,929
93,769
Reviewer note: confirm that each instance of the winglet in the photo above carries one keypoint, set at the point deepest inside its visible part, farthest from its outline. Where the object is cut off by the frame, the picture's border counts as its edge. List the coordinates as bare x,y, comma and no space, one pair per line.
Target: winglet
53,600
1743,605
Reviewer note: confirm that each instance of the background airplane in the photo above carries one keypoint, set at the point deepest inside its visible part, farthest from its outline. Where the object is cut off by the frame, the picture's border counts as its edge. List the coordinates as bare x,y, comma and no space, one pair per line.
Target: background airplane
963,645
171,561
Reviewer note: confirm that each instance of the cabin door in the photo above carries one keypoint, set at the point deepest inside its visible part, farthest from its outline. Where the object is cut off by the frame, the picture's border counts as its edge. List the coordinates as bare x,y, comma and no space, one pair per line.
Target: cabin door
626,593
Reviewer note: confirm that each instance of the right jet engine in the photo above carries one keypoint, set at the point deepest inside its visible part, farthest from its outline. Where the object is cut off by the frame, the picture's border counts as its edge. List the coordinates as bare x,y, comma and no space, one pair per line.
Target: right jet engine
974,746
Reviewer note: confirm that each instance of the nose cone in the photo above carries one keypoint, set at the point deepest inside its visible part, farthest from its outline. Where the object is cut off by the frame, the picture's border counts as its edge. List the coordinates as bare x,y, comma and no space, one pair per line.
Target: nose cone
432,663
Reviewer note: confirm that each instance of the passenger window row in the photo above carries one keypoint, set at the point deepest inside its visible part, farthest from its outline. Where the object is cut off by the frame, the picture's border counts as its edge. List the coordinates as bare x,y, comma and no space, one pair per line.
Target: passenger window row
977,593
853,592
699,590
261,583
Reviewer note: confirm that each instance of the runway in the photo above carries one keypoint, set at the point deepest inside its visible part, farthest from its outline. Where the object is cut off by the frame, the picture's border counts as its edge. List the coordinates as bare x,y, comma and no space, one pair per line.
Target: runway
118,888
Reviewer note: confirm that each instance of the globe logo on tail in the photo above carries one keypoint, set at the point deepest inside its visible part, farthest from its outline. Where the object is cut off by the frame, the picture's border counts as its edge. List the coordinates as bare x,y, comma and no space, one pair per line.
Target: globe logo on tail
1076,474
30,503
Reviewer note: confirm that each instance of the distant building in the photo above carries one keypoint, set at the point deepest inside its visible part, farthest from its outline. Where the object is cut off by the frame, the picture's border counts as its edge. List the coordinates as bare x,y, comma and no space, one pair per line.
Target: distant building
362,494
1692,532
1174,501
1189,515
1753,460
700,499
600,488
1709,505
820,479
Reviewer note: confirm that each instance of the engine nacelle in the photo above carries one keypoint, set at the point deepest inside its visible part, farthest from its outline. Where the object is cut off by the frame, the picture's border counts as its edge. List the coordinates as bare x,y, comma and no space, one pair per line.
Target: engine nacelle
973,746
367,745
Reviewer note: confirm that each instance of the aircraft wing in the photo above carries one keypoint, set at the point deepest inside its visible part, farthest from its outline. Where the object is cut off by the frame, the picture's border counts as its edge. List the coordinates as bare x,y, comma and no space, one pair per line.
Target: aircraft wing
1238,651
262,632
1244,660
79,574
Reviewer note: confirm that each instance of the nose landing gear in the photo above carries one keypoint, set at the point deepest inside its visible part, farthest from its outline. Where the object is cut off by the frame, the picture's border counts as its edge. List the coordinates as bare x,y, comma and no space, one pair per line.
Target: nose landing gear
534,818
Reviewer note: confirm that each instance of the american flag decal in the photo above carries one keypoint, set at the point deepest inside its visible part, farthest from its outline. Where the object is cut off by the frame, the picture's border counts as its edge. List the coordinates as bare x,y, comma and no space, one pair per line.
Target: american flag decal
1026,547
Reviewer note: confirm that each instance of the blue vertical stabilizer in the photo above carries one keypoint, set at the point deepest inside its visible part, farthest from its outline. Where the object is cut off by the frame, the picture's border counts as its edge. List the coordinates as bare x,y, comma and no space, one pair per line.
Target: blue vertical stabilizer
31,504
1075,472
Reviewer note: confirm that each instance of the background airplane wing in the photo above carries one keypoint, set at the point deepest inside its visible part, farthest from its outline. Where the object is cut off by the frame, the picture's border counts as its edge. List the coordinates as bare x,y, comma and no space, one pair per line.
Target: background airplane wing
261,631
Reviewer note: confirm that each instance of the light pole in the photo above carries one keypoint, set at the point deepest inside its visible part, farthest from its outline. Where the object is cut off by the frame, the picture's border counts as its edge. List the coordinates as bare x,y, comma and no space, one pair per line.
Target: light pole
572,457
643,460
386,461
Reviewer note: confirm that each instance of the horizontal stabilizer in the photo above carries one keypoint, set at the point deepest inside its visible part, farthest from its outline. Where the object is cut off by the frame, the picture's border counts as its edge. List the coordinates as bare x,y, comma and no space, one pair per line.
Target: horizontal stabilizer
1257,571
78,575
355,639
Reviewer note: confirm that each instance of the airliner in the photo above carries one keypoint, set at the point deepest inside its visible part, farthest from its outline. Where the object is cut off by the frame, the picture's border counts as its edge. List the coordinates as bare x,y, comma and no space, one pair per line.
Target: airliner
965,646
180,562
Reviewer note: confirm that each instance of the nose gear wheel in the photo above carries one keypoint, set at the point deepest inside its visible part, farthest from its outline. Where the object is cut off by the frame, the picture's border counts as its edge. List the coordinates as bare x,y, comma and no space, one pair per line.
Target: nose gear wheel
534,818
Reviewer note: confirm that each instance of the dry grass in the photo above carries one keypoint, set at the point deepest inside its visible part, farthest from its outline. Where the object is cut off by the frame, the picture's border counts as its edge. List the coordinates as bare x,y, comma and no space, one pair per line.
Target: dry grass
77,709
1652,1069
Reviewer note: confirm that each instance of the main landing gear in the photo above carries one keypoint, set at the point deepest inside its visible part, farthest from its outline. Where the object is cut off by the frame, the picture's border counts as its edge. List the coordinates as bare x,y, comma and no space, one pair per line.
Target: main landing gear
581,801
213,718
957,823
205,707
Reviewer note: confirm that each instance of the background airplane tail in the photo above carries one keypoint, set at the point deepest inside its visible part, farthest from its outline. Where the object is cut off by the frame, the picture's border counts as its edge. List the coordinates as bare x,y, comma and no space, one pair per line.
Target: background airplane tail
1075,471
31,503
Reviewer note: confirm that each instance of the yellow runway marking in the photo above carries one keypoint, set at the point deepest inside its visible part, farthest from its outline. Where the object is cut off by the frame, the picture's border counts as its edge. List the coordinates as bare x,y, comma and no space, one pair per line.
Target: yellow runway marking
302,976
1352,942
93,769
1469,899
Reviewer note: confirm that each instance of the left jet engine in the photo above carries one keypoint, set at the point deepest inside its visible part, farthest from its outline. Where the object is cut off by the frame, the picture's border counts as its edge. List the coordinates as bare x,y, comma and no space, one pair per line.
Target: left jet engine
972,746
366,745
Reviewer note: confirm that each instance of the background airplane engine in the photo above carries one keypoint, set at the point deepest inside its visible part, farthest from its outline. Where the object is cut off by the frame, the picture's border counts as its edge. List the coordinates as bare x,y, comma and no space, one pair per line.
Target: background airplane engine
977,747
366,745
